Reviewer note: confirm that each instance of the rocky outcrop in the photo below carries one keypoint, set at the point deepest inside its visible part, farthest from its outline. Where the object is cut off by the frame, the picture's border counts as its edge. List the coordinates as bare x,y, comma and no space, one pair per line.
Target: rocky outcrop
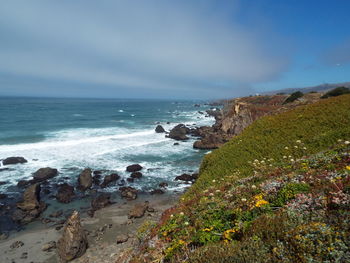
85,179
137,175
44,174
127,192
65,193
31,207
159,129
138,210
109,179
134,168
179,132
13,160
211,141
187,177
73,242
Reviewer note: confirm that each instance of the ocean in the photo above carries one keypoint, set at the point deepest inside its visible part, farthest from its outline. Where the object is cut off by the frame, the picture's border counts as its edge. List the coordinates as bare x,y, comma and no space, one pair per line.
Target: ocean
102,134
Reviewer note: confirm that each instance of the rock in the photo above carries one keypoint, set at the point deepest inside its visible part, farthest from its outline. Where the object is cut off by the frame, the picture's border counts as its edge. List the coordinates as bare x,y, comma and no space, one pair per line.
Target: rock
163,185
16,244
85,179
133,168
56,214
109,179
13,160
65,193
101,201
2,170
122,238
176,143
44,173
96,179
157,192
49,246
73,242
97,172
24,255
129,193
23,183
31,207
3,196
210,141
130,180
137,175
197,105
138,210
185,177
179,132
159,129
4,236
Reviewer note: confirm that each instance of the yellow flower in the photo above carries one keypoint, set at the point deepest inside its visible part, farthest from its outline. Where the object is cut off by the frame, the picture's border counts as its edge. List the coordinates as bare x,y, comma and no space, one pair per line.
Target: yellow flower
258,197
181,242
227,233
261,203
348,167
208,229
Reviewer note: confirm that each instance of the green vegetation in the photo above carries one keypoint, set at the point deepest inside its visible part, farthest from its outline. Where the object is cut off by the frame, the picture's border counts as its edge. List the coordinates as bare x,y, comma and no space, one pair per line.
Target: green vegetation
294,96
279,192
336,92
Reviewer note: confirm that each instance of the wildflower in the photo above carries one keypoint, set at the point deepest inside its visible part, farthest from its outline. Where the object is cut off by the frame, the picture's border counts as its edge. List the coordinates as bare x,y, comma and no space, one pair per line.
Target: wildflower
284,157
181,213
286,148
244,200
348,167
298,141
292,160
304,148
218,191
181,242
227,233
171,215
211,194
253,186
214,181
261,203
208,229
296,146
346,142
186,223
339,140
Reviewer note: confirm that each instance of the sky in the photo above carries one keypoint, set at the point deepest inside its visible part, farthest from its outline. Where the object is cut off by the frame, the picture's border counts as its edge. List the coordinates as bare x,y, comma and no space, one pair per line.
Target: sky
184,49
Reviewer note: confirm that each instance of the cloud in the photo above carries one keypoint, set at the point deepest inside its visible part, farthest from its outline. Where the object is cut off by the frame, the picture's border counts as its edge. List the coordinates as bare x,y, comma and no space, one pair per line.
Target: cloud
161,46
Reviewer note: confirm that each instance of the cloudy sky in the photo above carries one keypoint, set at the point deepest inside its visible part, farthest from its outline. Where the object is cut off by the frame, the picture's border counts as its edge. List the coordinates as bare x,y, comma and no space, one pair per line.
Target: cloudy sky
170,49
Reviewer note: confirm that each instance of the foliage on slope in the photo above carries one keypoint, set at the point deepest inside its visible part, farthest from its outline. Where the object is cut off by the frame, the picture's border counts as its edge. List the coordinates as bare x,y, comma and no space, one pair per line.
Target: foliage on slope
276,193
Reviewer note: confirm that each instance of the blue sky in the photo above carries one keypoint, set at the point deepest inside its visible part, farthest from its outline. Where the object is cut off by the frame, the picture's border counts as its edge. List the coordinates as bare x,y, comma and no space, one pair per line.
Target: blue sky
171,49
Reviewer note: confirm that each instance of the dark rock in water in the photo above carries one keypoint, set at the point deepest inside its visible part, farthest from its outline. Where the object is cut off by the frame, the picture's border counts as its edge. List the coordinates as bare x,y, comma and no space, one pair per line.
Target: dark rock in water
97,172
109,179
101,201
2,182
159,129
23,183
96,179
85,179
13,160
186,177
163,185
43,174
4,236
136,175
131,180
65,193
73,242
46,191
49,246
4,169
138,210
3,196
157,192
176,143
17,244
56,214
121,182
129,193
197,105
31,207
179,132
134,168
168,122
210,141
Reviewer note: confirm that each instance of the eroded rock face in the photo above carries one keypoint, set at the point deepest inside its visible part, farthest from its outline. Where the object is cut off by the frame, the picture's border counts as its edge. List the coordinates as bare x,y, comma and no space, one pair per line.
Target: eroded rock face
13,160
85,179
31,207
138,210
73,242
133,168
65,193
44,174
137,175
179,132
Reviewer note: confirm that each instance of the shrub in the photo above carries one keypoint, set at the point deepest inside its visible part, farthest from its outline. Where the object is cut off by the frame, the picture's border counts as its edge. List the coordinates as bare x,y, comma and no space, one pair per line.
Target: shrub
294,96
336,92
288,192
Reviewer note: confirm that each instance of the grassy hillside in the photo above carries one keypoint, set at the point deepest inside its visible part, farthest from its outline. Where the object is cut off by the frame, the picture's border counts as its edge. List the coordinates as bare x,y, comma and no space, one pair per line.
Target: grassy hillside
279,192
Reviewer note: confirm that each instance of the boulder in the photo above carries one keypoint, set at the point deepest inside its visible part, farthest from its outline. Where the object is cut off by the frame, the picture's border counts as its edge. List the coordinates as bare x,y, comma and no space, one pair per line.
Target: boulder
65,193
137,175
17,244
31,207
157,192
185,177
122,238
179,132
138,210
109,179
49,246
101,201
13,160
43,174
129,193
163,185
73,242
159,129
133,168
85,179
210,141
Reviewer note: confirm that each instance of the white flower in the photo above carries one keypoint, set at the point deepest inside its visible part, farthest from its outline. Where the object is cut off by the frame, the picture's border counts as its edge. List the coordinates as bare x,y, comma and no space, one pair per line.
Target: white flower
304,148
298,141
211,194
339,140
286,148
186,223
243,200
292,160
181,213
171,215
214,181
218,191
253,186
346,142
295,146
284,157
